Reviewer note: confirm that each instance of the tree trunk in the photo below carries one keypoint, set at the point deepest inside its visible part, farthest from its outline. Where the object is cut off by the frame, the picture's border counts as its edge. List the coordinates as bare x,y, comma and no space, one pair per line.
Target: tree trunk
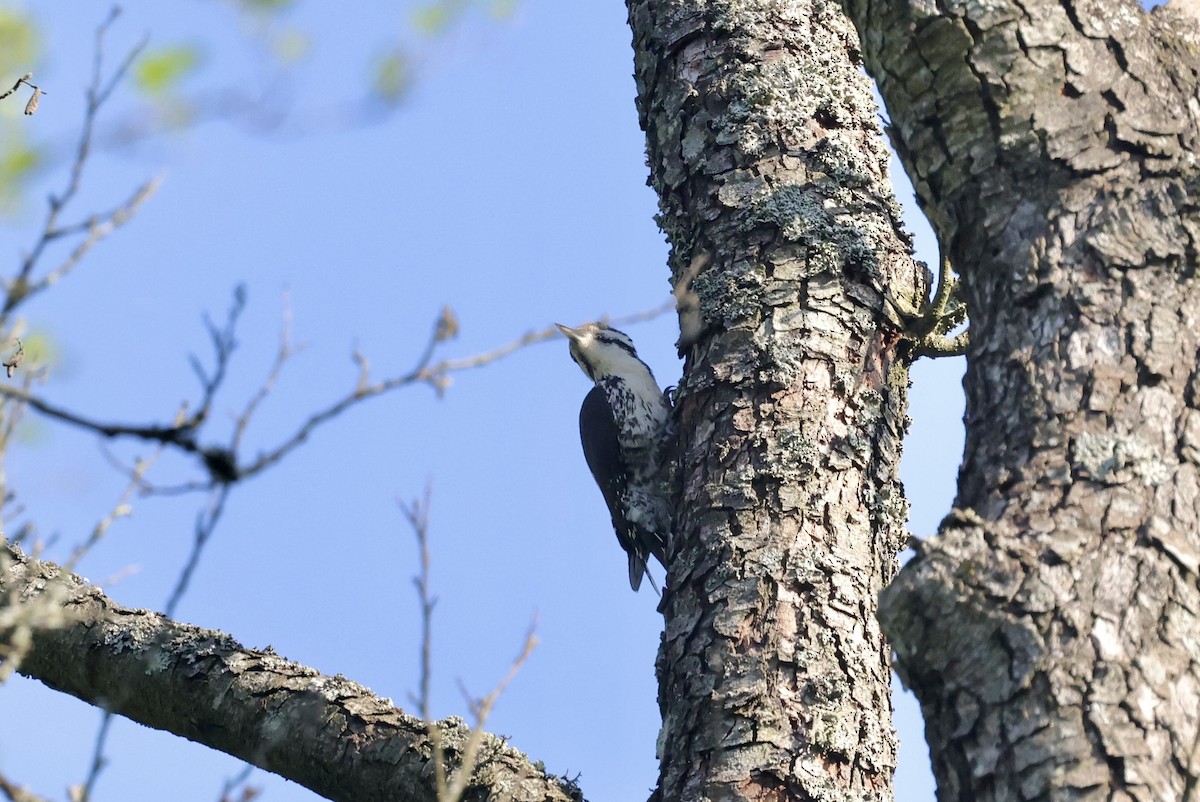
1050,629
764,150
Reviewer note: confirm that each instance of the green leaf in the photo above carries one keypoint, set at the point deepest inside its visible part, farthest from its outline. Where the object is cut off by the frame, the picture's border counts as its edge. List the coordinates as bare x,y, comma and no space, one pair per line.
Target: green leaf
432,19
19,45
291,46
393,77
266,5
503,9
160,71
18,161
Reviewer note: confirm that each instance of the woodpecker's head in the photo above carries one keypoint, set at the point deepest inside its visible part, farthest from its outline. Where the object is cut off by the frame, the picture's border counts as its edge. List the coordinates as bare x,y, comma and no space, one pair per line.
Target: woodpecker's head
603,351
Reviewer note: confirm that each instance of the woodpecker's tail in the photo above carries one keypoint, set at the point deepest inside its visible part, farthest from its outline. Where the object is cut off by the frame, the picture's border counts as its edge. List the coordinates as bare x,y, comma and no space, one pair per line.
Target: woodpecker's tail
638,569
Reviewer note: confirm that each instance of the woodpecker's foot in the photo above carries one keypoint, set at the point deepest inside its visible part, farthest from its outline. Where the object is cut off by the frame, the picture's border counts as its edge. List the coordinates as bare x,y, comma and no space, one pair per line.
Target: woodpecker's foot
929,333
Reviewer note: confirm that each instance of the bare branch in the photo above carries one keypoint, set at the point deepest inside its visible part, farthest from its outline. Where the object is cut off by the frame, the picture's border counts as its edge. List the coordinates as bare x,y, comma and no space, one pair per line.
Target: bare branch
170,434
82,793
240,781
417,514
482,709
11,791
326,733
23,79
452,789
224,343
23,285
938,345
434,375
98,228
286,351
222,462
121,509
206,523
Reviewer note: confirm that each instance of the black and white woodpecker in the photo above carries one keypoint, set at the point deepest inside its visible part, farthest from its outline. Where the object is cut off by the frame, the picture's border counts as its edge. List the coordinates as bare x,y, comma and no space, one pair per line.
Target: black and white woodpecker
623,423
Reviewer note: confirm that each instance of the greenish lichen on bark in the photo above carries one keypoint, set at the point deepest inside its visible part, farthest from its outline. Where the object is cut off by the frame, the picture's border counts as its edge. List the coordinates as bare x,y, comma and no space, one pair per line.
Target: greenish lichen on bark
763,146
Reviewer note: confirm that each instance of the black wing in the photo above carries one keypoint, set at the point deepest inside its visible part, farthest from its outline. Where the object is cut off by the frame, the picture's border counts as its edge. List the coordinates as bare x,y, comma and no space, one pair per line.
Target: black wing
602,450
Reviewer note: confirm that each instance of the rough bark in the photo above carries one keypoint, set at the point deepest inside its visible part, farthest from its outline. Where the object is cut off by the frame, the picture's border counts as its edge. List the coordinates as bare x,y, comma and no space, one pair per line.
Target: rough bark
1050,629
764,150
328,734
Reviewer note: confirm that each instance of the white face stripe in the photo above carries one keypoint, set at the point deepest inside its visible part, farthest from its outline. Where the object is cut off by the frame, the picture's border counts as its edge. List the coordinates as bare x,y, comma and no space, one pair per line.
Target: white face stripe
600,351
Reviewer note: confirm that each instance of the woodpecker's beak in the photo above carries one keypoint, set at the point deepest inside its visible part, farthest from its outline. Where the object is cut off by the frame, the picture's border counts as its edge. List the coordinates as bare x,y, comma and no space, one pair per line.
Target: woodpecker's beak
570,333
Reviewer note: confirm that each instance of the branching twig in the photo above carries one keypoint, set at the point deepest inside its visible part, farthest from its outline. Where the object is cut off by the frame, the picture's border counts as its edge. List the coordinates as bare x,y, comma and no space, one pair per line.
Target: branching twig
121,509
930,332
286,351
222,462
450,789
12,416
24,79
82,793
240,780
169,434
481,709
32,105
97,227
436,375
15,793
417,514
206,523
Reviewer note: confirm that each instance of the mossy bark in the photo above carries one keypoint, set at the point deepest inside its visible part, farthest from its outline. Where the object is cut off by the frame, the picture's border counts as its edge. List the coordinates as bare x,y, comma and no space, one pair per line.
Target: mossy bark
764,149
1050,629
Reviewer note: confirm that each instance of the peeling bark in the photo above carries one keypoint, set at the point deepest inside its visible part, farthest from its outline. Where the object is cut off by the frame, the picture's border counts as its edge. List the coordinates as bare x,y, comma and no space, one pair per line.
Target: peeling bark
1050,630
329,734
765,153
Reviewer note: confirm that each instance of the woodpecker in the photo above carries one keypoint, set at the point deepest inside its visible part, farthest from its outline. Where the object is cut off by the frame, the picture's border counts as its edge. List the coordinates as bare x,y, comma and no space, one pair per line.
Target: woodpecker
622,423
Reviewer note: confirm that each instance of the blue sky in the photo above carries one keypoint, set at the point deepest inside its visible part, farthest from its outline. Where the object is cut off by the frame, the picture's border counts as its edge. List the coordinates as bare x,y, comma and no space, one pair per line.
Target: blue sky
511,186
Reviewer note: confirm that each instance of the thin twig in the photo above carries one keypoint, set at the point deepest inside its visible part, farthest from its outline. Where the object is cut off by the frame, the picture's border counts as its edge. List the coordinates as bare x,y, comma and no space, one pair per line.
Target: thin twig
98,228
121,509
24,79
99,761
15,793
168,433
451,789
417,514
14,413
240,779
423,372
223,462
206,523
930,331
286,351
482,709
22,286
224,343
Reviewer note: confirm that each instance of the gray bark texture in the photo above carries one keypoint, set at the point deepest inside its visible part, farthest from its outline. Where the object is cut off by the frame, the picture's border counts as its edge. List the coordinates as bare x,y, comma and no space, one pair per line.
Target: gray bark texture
1050,628
329,734
764,149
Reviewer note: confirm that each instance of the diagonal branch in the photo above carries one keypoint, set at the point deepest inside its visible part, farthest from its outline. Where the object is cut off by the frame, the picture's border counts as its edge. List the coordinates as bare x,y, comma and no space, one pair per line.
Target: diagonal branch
15,793
328,734
222,461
